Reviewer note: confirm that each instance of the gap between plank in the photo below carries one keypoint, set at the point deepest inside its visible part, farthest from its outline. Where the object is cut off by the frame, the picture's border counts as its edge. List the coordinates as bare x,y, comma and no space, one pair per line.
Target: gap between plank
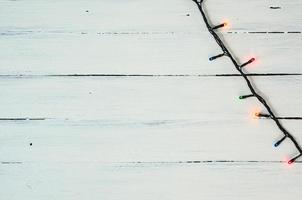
150,75
179,162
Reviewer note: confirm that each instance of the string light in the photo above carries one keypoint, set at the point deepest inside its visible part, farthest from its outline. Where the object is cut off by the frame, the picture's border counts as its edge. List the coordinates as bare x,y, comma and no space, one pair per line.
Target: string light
257,114
215,57
246,96
248,62
261,115
280,141
294,159
220,26
226,52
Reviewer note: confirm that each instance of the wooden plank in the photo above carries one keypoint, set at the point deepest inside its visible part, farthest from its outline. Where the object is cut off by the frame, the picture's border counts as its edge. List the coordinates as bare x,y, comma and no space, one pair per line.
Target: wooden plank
140,53
145,54
157,15
147,119
94,15
47,48
147,181
154,97
151,141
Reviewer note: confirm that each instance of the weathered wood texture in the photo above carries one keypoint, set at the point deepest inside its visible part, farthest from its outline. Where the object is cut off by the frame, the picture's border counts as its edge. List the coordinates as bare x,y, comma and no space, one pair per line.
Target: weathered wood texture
145,137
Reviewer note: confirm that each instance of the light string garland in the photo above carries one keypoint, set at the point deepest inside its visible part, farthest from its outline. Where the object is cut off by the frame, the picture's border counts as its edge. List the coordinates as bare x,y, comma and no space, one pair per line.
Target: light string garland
226,52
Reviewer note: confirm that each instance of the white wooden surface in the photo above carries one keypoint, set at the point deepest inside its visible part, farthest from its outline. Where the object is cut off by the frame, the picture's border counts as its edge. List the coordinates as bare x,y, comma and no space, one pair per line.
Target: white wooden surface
145,137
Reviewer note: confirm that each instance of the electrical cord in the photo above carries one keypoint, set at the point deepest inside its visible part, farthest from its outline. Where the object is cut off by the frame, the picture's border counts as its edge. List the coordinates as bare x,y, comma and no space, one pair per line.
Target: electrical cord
254,93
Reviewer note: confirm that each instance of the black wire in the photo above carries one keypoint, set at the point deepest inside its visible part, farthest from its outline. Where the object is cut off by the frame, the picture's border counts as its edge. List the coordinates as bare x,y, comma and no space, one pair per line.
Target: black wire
249,84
